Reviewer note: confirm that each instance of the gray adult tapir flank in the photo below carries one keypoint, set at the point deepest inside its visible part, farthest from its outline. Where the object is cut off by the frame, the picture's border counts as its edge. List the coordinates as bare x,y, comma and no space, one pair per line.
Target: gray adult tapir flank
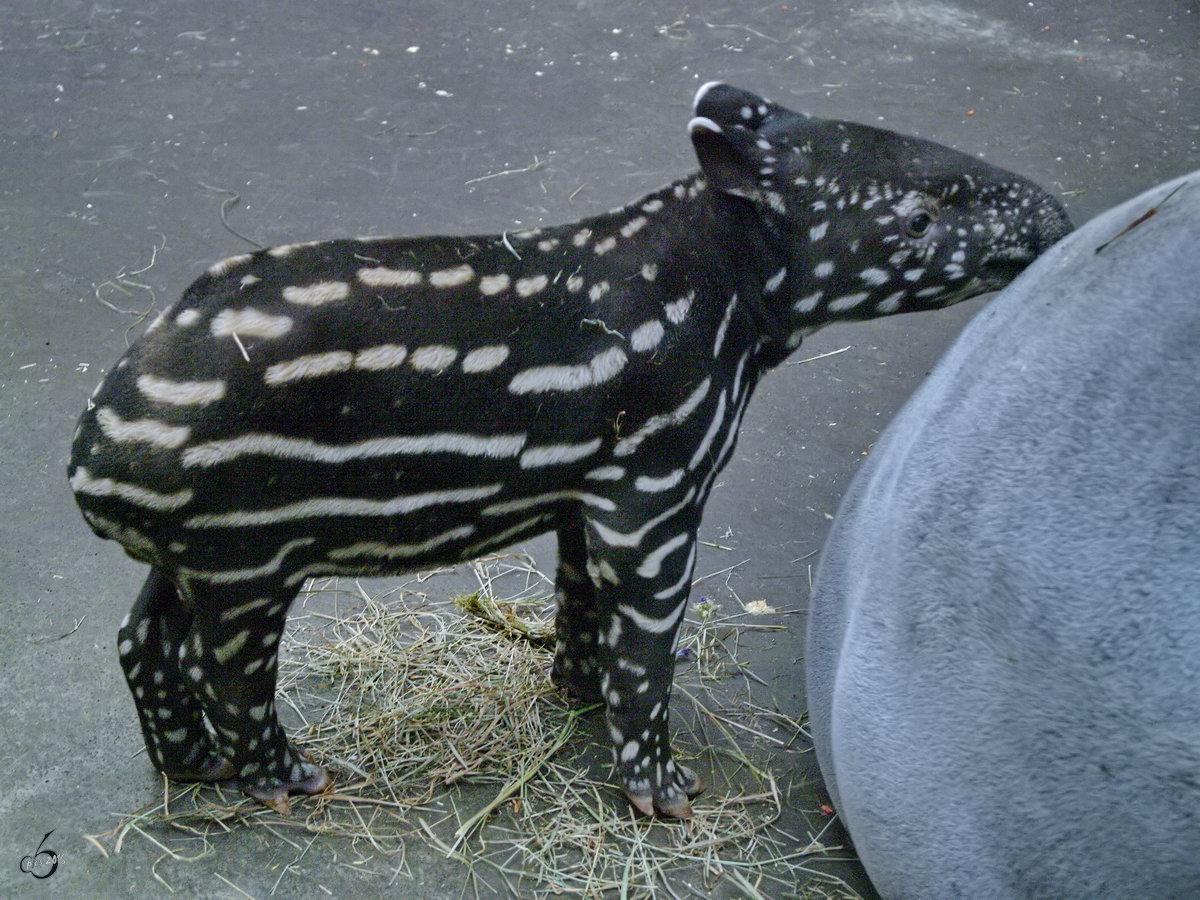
1004,648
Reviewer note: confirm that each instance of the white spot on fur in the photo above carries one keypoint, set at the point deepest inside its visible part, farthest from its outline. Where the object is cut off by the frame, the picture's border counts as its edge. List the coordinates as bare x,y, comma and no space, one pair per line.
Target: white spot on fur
220,268
605,245
626,446
287,249
809,303
682,584
433,358
83,483
317,294
607,572
724,326
215,452
505,537
249,323
651,485
603,367
242,609
145,431
180,393
484,359
647,336
651,624
551,497
158,322
633,226
527,287
490,285
313,365
710,435
382,276
606,473
383,356
558,454
890,303
226,651
614,632
401,551
677,310
847,301
447,278
317,507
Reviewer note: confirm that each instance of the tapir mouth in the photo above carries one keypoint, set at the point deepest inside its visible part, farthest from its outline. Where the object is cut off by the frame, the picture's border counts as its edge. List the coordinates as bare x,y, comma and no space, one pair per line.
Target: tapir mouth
998,273
1001,266
972,288
1005,265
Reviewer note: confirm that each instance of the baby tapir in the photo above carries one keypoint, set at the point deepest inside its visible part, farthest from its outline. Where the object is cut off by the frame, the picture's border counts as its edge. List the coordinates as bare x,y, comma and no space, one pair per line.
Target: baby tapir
369,407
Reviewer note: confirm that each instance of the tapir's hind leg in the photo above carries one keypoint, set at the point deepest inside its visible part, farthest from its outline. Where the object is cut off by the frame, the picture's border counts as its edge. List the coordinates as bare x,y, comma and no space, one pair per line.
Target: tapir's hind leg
230,661
171,715
575,668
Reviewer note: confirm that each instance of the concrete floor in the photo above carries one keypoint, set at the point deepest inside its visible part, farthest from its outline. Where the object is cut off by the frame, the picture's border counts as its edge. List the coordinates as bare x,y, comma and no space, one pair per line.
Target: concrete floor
123,131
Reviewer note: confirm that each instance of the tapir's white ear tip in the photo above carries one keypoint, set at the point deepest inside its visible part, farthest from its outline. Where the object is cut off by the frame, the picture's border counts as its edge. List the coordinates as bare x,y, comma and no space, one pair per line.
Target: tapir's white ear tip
702,124
704,89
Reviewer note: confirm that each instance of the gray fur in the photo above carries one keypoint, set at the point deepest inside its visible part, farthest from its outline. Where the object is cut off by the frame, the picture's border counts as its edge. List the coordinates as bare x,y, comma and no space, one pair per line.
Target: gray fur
1004,649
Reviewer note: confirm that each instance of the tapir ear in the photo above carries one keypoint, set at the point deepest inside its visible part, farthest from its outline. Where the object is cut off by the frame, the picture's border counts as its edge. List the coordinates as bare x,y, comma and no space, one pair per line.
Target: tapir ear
731,107
732,132
725,164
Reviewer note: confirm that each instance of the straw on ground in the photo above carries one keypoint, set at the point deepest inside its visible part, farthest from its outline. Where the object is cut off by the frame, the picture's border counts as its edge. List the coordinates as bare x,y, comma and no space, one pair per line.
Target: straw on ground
442,726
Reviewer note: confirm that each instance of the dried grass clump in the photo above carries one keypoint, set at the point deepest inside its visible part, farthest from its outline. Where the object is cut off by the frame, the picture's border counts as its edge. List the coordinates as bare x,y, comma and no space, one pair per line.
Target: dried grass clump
443,726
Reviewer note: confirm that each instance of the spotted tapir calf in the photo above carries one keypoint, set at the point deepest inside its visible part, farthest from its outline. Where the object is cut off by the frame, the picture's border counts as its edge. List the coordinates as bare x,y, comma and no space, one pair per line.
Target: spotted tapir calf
368,407
1004,647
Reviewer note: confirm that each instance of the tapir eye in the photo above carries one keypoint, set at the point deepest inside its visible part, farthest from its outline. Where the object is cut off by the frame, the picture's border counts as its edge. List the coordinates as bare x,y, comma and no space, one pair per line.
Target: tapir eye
918,223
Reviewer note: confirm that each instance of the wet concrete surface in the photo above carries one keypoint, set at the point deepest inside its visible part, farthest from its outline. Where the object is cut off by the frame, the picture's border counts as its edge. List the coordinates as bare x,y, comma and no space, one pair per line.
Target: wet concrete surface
125,132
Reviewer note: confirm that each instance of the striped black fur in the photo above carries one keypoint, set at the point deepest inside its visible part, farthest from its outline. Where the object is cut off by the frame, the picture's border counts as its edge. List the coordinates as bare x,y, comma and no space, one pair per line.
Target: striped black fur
368,407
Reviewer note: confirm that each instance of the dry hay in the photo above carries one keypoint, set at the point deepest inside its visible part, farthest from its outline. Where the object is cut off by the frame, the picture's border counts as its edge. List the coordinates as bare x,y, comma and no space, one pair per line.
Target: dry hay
443,726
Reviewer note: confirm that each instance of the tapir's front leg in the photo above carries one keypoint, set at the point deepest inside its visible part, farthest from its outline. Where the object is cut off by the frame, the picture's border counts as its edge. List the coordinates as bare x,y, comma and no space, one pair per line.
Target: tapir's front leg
642,579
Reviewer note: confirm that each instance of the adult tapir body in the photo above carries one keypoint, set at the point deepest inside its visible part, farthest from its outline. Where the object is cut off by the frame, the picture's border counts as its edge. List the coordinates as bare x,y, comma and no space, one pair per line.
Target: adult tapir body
1004,648
368,407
